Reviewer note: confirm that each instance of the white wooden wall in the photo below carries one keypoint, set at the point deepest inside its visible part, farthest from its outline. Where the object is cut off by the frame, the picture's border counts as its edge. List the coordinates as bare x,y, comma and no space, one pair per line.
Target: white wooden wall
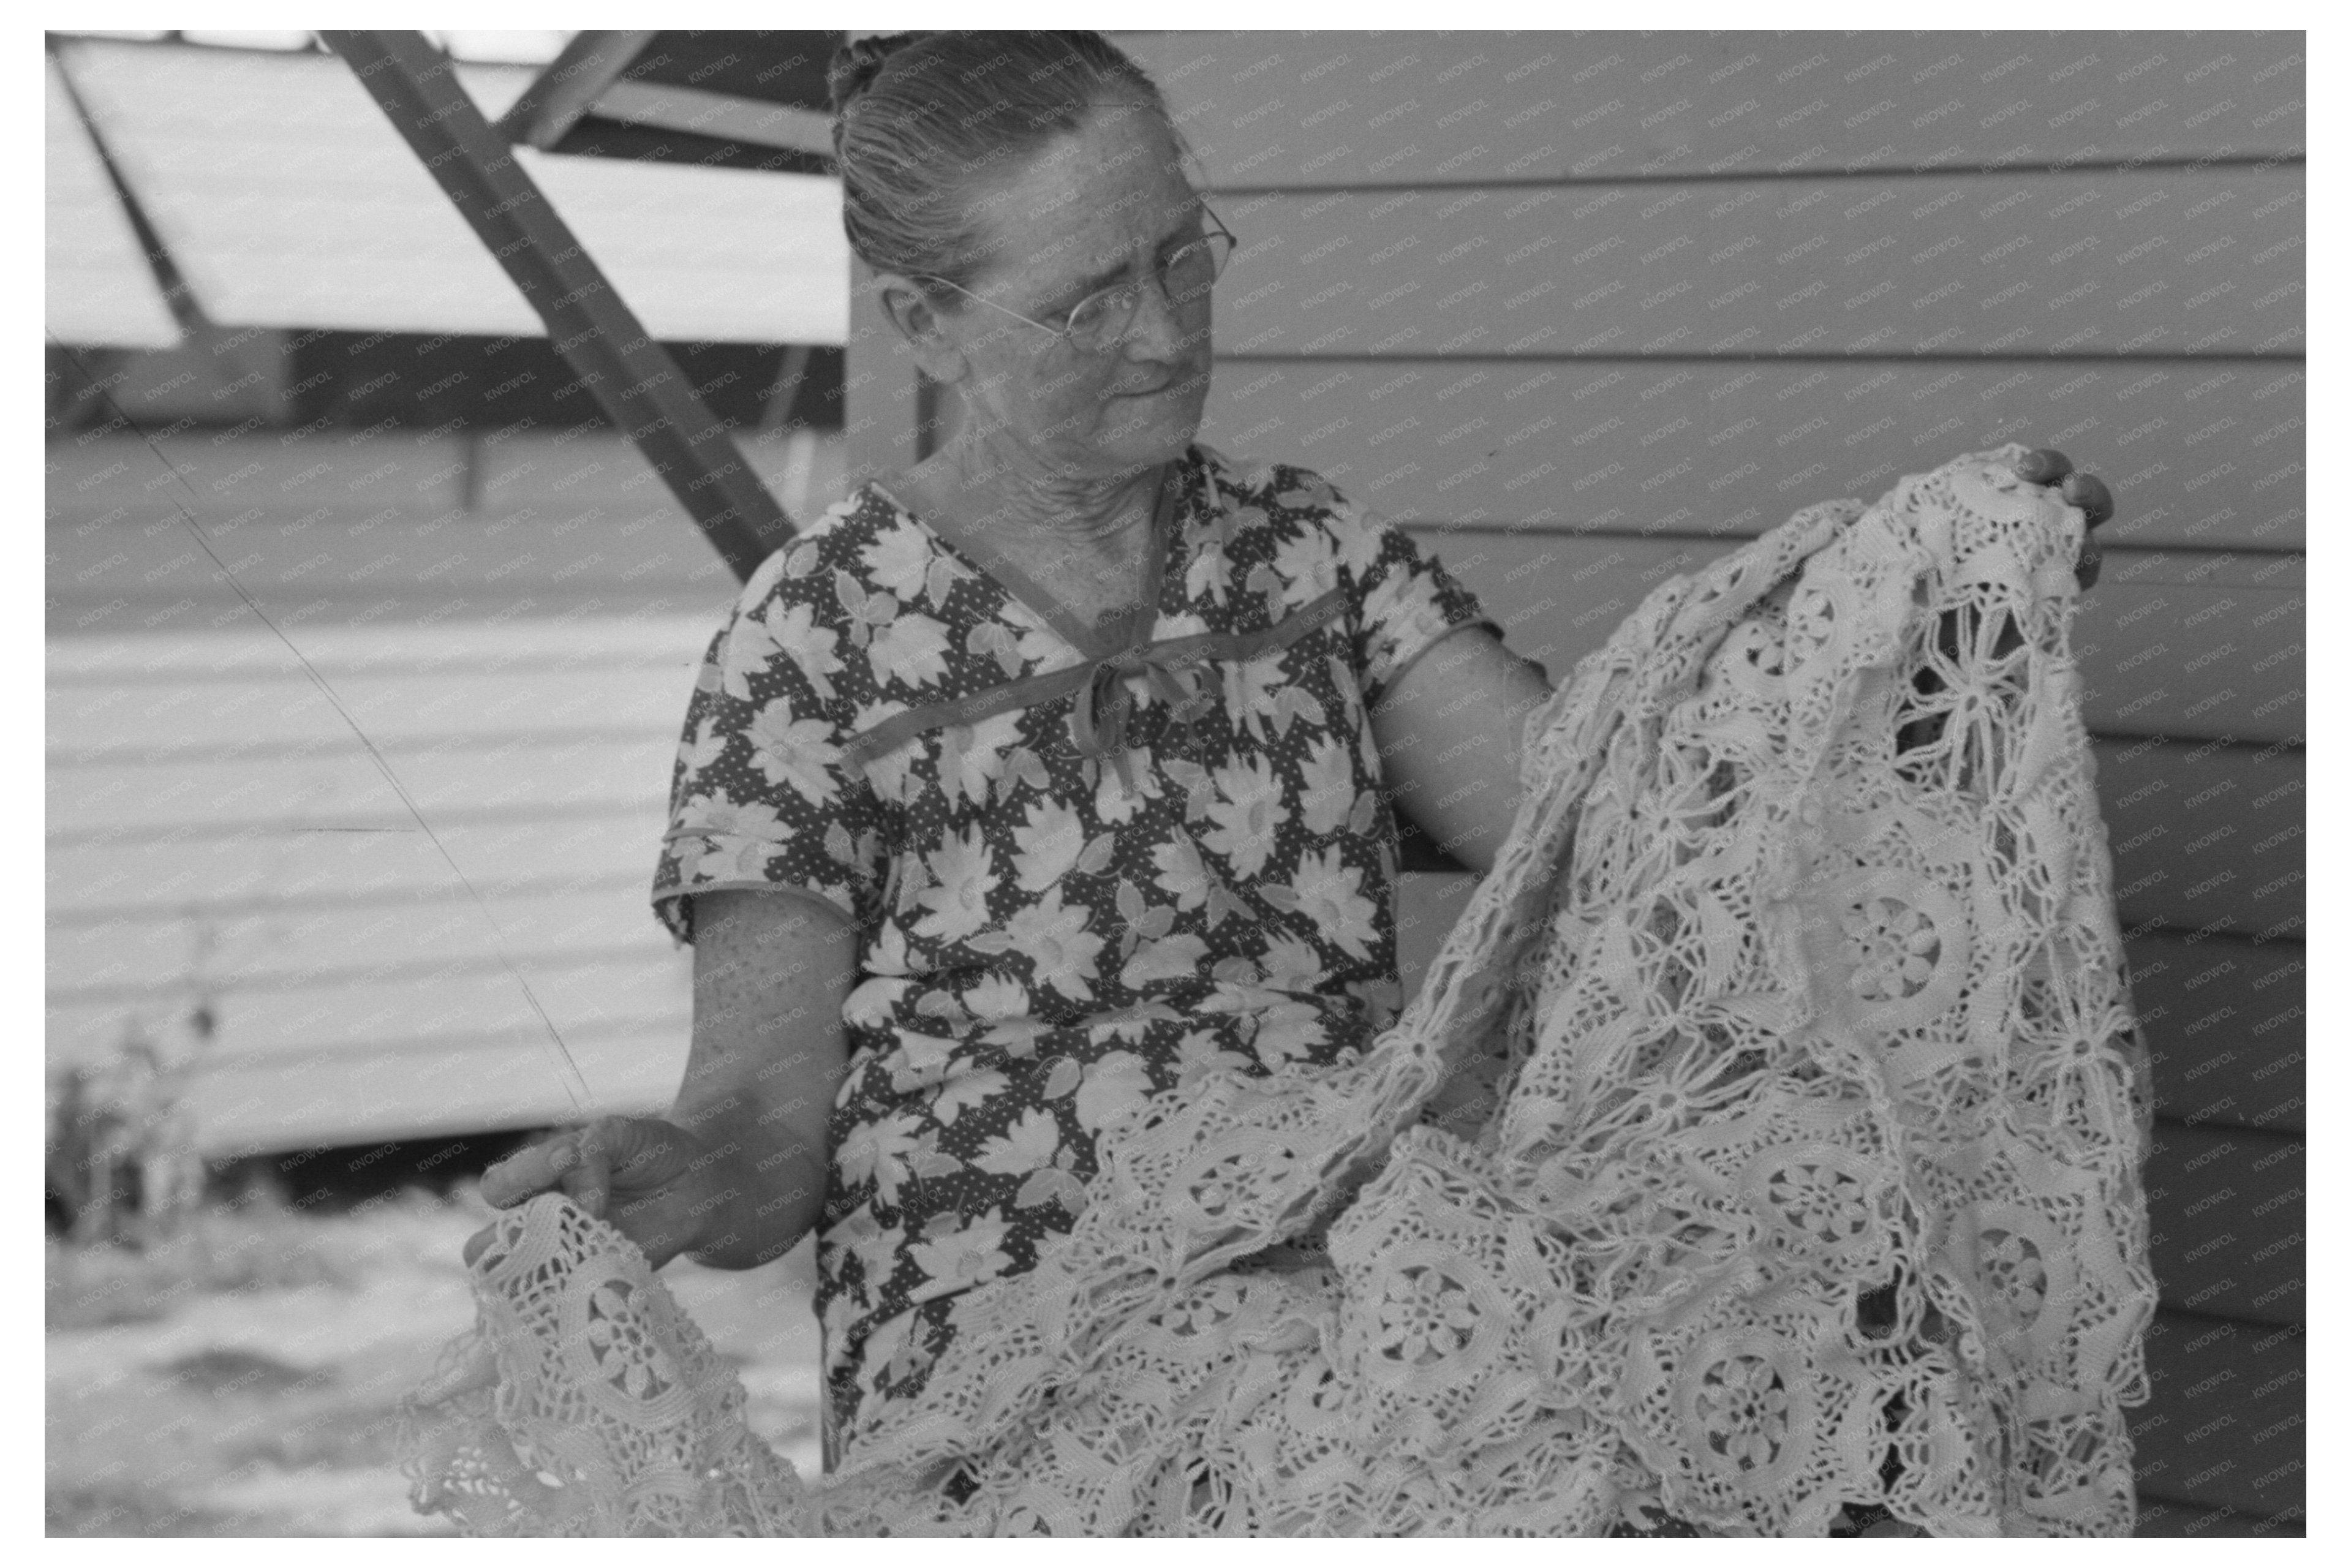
516,628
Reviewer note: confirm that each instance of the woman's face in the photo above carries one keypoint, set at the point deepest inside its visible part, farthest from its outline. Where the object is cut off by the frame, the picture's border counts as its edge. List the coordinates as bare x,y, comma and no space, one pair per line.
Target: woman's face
1100,205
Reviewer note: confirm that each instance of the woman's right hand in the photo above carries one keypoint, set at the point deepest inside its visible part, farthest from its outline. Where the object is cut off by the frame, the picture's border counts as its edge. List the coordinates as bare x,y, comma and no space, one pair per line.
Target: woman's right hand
652,1180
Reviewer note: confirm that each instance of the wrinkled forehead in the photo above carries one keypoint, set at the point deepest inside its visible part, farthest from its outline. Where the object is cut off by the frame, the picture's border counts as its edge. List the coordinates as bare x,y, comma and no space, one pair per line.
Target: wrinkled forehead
1087,198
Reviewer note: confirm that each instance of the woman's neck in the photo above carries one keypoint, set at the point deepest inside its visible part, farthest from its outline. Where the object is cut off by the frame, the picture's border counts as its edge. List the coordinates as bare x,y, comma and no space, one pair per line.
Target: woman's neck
1007,498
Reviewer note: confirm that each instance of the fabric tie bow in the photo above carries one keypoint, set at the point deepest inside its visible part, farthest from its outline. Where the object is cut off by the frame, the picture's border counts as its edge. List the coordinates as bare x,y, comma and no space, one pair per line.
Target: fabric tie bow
1105,703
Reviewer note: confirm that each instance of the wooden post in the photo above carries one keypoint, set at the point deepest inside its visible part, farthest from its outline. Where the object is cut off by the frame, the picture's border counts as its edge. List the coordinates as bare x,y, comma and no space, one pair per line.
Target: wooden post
632,376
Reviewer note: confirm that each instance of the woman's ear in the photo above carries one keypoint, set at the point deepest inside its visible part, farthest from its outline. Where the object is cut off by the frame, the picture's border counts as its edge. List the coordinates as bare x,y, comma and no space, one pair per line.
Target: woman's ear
920,321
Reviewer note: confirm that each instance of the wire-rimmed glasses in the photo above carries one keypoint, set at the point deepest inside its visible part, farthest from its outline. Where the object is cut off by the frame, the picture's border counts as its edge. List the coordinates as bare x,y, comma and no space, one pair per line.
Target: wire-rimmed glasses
1099,321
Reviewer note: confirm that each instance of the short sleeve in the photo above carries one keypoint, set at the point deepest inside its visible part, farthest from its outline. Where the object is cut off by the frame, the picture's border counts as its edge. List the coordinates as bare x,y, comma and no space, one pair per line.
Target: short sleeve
760,797
1404,600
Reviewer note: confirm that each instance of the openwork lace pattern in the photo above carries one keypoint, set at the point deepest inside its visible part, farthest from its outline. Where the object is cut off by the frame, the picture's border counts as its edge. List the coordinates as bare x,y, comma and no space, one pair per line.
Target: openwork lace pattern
1762,1147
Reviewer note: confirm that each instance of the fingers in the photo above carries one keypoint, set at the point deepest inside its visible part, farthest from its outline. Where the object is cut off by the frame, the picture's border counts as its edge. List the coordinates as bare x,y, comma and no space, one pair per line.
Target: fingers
2047,466
584,1163
2044,466
589,1184
529,1172
2088,492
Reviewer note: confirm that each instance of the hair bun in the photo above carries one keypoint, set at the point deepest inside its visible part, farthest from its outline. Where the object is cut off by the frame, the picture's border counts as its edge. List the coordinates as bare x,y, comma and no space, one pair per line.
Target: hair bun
857,62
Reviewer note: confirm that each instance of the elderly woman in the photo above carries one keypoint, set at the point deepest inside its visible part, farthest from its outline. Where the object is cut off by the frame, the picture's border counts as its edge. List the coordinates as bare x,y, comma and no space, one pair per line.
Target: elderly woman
1050,773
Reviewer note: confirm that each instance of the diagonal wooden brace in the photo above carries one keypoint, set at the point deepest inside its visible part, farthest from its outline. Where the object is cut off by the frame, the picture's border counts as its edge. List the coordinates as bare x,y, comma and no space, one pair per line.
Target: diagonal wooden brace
630,376
569,88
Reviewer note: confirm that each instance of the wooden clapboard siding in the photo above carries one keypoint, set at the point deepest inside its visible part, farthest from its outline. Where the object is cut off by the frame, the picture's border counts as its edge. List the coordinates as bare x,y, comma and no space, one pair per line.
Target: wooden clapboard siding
94,803
264,897
2205,838
327,530
474,707
803,468
349,1006
307,949
2162,1519
456,1084
2222,1019
454,646
1952,263
350,797
2206,456
1307,110
556,851
2225,1430
192,765
2227,1206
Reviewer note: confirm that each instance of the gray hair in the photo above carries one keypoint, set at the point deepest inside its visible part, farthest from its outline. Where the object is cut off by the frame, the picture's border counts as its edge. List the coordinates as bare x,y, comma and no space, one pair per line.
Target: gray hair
918,117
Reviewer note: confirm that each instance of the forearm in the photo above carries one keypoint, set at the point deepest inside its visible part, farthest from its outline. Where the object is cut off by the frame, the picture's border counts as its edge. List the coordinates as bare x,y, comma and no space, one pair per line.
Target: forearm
768,1057
758,1103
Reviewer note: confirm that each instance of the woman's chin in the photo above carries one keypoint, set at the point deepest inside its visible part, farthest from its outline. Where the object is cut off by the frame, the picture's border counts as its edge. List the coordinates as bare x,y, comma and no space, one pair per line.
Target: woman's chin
1124,440
1154,427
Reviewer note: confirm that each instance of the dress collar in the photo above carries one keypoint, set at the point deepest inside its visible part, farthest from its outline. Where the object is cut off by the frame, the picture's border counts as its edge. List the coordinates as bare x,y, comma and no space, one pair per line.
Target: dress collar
1117,631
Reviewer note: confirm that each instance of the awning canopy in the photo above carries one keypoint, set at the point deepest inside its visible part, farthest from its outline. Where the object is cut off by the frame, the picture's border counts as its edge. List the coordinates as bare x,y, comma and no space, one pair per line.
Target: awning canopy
287,200
97,287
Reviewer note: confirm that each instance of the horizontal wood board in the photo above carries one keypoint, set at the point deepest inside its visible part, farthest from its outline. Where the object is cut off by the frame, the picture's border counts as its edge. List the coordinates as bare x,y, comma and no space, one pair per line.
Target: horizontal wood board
328,529
1291,110
2088,262
2223,1021
2205,838
2164,1520
387,471
2209,456
2226,1211
263,1107
2224,1429
421,1001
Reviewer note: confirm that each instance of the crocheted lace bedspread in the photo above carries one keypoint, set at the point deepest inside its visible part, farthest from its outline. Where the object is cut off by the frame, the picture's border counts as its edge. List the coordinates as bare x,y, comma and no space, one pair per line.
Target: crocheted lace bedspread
1764,1144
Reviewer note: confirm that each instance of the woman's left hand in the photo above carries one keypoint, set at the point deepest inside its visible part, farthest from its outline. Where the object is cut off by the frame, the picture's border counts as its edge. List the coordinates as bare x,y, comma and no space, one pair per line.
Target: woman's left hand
2046,465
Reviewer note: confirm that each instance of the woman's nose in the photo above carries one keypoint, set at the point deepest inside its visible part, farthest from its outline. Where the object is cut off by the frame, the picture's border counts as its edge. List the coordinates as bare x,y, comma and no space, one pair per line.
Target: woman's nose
1159,330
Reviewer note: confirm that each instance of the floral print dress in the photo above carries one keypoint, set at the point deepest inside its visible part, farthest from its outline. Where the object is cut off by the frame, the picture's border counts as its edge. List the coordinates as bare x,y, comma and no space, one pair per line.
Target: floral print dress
1086,865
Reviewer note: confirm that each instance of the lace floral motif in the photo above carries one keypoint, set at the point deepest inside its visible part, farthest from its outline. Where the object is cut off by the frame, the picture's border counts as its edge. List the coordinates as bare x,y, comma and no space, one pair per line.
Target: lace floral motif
1786,1161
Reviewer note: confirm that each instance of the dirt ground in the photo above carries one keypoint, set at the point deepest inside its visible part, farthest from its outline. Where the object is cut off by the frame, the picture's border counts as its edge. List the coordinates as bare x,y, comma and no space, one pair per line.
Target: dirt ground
245,1377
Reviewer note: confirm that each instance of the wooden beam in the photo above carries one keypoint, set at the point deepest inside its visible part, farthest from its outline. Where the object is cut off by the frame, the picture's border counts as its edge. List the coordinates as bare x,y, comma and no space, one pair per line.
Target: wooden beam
187,314
569,86
692,109
632,376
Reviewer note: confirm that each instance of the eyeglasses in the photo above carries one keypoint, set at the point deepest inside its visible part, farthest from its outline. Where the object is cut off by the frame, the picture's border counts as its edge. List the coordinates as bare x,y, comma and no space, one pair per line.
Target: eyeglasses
1099,322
